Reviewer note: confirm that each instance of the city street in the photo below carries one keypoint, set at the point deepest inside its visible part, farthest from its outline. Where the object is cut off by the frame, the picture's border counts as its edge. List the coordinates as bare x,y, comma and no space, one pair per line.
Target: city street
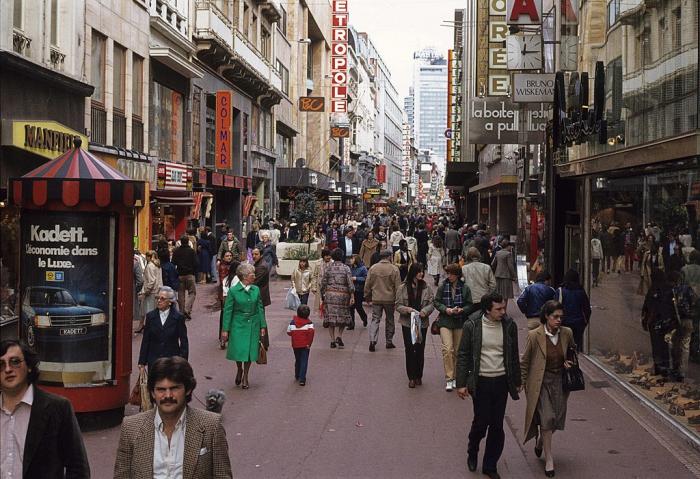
357,418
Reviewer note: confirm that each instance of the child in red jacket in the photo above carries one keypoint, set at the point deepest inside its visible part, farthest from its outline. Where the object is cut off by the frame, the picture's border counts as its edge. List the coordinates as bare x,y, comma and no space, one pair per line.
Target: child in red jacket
301,329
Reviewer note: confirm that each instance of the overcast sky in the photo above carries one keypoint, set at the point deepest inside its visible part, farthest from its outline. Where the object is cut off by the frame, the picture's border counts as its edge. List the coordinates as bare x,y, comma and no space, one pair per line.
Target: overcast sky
400,27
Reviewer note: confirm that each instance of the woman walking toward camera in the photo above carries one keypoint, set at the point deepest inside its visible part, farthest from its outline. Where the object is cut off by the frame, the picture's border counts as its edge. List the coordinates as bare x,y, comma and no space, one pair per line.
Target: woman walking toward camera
337,296
301,280
541,368
436,258
414,296
244,322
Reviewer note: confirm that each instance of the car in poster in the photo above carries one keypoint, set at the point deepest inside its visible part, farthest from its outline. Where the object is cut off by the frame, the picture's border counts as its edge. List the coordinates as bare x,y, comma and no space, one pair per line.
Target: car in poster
60,329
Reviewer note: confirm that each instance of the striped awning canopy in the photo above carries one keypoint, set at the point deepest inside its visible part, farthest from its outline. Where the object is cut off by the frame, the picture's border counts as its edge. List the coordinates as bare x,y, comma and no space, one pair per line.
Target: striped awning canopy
76,176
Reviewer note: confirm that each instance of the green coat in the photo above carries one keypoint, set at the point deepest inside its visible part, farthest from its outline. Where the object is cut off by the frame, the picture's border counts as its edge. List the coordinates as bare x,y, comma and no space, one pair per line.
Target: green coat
244,317
452,321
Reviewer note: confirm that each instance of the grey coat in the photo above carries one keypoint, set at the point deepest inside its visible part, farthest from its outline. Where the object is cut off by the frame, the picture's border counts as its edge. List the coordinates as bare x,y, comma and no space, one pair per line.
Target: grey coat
503,265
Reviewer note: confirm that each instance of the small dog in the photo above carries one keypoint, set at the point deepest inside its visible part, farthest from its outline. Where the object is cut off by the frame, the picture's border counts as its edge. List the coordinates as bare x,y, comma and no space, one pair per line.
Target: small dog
215,400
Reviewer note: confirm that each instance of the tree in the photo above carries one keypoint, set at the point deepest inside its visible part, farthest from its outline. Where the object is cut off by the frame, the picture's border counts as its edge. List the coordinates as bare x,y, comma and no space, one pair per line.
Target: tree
306,213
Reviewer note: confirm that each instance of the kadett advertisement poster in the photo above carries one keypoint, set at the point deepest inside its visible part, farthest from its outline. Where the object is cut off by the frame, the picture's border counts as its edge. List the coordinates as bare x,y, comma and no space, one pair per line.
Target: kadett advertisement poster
66,287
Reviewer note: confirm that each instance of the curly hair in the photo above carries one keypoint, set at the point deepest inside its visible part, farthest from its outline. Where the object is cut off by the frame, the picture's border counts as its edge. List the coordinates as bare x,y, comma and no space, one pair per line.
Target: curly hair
174,368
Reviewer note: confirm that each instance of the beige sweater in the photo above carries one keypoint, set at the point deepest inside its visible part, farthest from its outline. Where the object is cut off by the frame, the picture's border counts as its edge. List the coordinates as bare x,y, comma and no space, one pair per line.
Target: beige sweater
491,348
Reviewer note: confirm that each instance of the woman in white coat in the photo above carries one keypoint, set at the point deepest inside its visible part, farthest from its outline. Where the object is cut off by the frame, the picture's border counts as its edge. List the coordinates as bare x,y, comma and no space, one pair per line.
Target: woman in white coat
436,258
152,282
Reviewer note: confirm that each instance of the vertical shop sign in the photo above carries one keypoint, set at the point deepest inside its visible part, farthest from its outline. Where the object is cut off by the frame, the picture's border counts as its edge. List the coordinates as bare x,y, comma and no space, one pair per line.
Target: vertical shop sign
498,77
381,174
223,130
339,57
67,271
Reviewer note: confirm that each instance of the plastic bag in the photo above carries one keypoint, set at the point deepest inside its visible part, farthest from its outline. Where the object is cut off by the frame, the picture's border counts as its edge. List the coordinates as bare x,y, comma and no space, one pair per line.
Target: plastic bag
416,333
292,301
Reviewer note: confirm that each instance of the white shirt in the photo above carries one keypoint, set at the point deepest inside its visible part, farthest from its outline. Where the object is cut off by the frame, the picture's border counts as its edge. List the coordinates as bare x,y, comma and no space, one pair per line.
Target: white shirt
168,457
553,337
348,246
163,316
225,286
13,434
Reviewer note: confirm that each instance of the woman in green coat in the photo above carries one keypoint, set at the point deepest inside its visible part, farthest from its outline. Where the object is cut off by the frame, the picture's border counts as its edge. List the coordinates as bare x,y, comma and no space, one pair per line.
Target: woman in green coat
244,322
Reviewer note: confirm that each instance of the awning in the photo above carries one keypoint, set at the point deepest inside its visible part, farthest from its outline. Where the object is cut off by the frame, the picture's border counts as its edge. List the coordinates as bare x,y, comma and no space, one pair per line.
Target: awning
76,176
173,199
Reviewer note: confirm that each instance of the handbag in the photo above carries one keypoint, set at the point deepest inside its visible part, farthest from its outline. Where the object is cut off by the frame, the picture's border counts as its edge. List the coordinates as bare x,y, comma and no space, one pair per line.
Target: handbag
139,394
434,328
572,378
262,354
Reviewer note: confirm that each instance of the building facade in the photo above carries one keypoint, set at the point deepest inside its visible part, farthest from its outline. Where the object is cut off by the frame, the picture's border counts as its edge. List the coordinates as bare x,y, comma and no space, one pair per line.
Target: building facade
430,101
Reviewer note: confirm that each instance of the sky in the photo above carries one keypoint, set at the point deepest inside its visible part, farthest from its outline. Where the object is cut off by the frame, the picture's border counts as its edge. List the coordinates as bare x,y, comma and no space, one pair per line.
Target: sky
400,27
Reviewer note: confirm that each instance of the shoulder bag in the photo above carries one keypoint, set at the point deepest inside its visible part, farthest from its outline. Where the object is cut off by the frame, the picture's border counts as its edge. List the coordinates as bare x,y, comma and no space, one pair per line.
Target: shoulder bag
572,378
434,328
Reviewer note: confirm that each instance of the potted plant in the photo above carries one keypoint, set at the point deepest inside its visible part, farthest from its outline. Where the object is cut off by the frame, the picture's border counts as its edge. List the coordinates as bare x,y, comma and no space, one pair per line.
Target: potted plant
305,213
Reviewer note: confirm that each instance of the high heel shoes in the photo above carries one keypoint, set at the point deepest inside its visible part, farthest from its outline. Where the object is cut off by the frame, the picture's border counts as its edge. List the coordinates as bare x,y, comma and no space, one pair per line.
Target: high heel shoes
549,473
538,451
245,384
238,378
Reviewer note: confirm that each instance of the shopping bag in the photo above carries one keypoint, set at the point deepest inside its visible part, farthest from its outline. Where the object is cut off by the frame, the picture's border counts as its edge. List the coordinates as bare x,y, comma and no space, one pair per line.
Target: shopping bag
292,301
139,394
416,333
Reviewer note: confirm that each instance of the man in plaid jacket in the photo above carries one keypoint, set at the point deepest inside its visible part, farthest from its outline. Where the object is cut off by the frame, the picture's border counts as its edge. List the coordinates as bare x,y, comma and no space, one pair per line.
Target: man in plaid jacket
172,440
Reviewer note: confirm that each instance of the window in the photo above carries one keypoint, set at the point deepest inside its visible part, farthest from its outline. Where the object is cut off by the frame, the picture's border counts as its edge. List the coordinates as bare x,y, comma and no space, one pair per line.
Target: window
246,20
265,43
310,62
54,22
17,14
97,69
253,37
137,86
677,29
284,75
662,36
282,24
166,125
118,75
222,6
613,12
196,131
210,127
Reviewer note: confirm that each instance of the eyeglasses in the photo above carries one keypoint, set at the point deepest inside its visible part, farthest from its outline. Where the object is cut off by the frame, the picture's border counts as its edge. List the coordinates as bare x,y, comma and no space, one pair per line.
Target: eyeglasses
162,298
13,362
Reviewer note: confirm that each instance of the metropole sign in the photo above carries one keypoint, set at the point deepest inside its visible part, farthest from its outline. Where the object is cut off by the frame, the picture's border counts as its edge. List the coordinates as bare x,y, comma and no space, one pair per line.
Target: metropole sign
339,57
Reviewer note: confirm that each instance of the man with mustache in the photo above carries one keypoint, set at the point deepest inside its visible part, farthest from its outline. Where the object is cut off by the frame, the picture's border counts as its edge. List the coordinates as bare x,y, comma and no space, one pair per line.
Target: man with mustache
173,440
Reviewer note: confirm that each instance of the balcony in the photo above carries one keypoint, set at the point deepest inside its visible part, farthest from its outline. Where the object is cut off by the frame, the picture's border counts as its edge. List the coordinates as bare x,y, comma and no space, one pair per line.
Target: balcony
213,34
250,71
270,9
172,23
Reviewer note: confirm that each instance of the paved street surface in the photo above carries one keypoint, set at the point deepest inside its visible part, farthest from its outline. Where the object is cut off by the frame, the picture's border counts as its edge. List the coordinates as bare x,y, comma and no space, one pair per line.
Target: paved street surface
356,417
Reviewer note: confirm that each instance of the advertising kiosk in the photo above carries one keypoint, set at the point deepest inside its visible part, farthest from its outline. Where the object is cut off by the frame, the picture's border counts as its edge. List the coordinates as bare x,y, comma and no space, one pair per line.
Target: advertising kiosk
76,279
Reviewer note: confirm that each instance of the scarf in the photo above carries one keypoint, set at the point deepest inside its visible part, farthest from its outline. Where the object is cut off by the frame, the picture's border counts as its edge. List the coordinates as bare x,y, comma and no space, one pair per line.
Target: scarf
447,298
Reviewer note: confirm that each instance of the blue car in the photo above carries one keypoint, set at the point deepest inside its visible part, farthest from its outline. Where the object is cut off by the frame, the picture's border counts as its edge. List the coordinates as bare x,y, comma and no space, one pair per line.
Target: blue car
60,329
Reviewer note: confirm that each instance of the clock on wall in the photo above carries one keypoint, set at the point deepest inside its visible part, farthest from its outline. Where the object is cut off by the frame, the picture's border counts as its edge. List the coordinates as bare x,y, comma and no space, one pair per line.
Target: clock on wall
568,53
524,52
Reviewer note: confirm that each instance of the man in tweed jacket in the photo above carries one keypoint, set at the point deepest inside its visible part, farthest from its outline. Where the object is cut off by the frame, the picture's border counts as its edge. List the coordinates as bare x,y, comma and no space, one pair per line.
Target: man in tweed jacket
173,440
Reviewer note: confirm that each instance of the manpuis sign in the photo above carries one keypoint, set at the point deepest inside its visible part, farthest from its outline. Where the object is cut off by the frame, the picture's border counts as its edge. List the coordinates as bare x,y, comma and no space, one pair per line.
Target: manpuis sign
339,57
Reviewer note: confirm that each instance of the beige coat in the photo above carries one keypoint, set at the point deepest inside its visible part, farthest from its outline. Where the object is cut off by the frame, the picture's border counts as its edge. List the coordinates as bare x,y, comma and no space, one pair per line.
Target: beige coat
302,285
368,248
532,365
404,308
383,281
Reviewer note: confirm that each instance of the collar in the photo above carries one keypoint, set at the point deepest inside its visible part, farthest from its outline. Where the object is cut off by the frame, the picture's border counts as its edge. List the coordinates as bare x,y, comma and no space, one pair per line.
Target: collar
27,398
158,422
546,332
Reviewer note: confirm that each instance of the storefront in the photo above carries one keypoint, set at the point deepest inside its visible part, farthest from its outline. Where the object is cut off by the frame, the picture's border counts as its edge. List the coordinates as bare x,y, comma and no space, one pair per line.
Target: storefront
172,200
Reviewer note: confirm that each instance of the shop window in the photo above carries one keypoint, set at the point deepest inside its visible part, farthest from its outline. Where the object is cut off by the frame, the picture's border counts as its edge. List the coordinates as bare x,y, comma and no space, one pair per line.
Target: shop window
645,227
9,266
166,125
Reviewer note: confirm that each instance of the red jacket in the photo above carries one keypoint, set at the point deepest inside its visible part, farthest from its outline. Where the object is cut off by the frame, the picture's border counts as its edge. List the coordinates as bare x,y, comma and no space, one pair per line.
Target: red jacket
302,332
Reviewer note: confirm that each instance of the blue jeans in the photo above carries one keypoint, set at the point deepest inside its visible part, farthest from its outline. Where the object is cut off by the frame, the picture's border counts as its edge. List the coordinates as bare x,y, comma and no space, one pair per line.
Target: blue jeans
304,298
214,269
302,362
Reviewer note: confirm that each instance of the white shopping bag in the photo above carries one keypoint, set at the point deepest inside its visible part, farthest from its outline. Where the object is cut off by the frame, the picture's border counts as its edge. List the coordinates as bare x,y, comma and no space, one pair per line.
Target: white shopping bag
416,336
293,300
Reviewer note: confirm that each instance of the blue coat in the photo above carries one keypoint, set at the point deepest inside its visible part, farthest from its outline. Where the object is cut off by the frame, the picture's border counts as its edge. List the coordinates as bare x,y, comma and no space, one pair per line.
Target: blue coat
170,277
360,273
577,307
533,298
163,340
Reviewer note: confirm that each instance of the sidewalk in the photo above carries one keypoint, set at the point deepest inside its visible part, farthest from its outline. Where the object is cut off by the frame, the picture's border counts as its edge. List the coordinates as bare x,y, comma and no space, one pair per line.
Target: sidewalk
356,418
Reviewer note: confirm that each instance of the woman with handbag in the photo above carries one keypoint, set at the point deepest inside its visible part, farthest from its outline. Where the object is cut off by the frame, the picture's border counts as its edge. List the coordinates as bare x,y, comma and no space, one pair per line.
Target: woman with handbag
541,367
244,322
414,296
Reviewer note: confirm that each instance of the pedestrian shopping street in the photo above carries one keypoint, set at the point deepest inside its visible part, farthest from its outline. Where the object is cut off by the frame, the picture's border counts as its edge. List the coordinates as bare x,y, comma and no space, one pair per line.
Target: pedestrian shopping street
356,417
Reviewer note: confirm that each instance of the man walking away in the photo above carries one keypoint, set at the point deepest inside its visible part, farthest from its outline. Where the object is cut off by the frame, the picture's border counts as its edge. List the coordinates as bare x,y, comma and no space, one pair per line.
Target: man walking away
452,244
174,439
383,281
533,297
52,446
488,369
185,259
